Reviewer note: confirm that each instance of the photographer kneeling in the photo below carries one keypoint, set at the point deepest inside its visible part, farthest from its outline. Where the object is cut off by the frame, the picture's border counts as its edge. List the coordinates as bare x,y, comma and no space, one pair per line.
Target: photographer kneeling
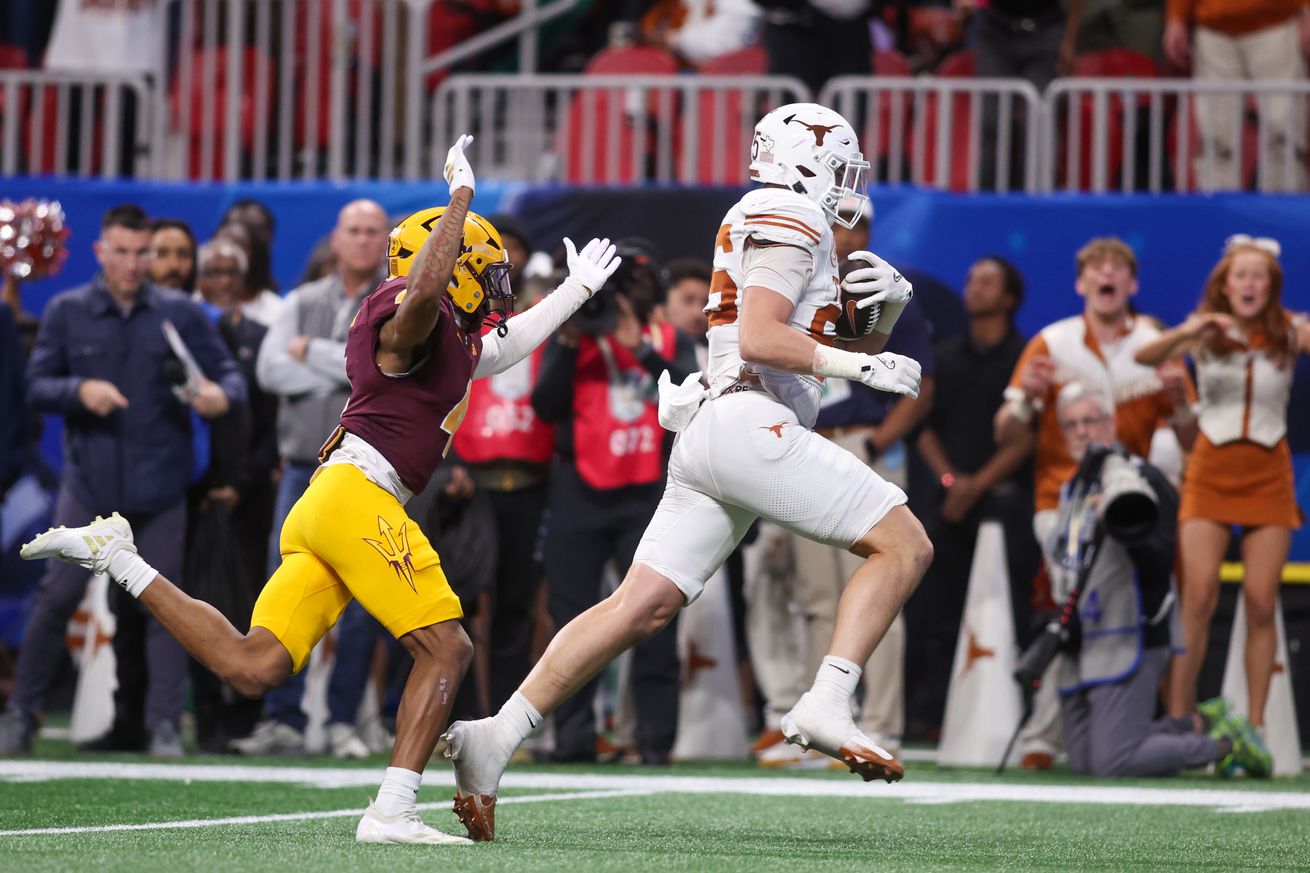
1112,557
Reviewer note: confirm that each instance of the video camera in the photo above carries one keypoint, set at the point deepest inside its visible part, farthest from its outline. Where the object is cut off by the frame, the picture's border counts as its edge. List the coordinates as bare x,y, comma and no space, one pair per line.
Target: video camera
1107,496
639,278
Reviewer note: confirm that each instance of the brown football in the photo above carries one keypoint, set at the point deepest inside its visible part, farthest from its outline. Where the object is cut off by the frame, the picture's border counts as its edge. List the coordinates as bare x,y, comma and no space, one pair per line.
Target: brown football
852,323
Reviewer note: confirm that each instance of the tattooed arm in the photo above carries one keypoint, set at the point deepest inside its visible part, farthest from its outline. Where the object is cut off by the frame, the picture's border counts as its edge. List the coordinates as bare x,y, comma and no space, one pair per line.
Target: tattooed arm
431,271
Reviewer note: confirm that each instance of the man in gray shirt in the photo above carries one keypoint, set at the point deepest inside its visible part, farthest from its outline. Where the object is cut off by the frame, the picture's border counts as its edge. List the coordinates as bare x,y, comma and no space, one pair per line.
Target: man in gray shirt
303,362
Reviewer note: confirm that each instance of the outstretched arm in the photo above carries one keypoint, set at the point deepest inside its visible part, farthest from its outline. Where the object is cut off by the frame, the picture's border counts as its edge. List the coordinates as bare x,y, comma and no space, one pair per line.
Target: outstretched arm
588,270
435,263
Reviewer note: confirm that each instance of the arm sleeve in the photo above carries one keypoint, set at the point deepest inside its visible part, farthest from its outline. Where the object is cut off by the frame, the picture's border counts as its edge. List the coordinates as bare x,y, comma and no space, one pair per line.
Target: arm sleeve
327,358
277,371
50,387
201,337
1036,346
552,399
783,268
529,329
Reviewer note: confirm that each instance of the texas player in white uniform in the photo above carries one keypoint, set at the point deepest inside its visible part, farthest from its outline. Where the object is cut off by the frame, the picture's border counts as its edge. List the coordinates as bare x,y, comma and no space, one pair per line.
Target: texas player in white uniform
745,450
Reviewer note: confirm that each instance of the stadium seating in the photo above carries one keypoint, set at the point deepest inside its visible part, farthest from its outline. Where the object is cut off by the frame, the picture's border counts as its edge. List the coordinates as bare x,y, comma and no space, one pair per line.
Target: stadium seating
252,60
1111,63
923,134
613,124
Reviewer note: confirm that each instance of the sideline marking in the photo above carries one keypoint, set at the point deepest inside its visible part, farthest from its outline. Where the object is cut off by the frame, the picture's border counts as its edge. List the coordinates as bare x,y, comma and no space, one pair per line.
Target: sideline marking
188,824
912,791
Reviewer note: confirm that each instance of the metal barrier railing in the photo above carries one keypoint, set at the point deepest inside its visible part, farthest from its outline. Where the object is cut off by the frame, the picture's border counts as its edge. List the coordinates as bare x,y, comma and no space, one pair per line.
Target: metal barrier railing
1175,134
310,89
911,130
73,124
608,129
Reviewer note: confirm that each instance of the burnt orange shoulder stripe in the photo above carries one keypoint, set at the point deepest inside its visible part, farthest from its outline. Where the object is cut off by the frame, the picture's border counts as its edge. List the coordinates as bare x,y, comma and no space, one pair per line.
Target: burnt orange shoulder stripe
788,219
796,226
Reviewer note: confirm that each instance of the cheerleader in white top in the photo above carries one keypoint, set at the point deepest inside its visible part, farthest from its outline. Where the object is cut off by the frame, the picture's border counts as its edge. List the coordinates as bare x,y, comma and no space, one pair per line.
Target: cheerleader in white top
1244,344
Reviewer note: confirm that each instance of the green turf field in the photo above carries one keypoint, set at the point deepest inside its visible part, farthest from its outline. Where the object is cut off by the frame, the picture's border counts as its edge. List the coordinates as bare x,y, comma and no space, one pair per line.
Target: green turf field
127,813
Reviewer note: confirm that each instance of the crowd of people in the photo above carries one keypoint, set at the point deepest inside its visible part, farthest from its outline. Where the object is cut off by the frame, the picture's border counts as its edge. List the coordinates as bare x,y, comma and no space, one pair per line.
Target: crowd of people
532,519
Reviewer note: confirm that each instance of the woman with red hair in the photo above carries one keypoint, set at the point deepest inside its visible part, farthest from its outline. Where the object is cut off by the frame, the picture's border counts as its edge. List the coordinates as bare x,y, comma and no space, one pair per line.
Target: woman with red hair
1244,344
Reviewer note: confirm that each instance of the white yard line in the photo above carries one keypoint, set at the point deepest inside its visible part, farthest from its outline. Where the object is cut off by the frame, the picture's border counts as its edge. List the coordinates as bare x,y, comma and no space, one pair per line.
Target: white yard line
290,816
912,791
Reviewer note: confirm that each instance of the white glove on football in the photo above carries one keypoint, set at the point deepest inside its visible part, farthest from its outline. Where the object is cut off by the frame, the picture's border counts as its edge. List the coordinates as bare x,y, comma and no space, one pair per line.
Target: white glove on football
893,373
593,265
880,283
458,172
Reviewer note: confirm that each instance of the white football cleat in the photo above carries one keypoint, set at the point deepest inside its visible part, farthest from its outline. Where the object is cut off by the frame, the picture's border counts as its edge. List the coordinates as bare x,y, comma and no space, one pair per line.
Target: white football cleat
91,546
480,759
404,827
815,724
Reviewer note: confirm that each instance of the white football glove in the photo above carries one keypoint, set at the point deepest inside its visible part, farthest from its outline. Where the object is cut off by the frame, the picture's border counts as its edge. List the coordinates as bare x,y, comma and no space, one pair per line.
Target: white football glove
458,171
880,283
593,265
893,373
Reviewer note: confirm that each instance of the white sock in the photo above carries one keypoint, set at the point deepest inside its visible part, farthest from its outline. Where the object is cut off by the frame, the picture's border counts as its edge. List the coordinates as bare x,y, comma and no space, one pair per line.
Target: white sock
518,718
836,679
130,570
399,791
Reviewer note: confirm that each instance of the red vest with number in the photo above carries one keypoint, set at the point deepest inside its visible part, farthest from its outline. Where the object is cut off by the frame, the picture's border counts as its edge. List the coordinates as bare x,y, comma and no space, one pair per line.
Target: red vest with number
617,439
500,424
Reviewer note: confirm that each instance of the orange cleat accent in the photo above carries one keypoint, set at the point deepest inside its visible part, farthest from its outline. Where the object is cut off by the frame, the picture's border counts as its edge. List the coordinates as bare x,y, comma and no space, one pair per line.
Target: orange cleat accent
478,815
870,766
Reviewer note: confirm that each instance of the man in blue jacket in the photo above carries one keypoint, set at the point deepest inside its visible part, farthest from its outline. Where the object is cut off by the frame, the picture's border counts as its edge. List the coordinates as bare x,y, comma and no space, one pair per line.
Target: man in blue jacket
102,362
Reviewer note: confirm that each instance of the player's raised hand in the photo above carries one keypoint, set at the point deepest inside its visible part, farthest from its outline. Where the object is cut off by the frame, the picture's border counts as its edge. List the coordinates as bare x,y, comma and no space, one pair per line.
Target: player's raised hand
879,282
594,264
893,373
458,171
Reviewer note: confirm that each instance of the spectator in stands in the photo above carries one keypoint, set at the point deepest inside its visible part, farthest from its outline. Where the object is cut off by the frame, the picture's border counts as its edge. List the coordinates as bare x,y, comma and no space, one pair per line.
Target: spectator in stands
173,254
817,40
258,302
1123,24
698,31
99,361
321,261
1244,344
1022,39
223,275
1108,679
688,294
518,247
977,479
218,566
258,221
172,265
1096,347
596,386
303,362
1244,39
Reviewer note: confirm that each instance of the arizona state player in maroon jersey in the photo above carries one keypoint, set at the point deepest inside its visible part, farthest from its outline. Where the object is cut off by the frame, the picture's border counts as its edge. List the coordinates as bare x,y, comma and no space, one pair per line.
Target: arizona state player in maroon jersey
413,349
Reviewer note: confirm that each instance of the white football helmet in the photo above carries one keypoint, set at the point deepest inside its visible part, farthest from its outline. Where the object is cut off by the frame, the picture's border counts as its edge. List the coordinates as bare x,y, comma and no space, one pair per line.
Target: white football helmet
815,152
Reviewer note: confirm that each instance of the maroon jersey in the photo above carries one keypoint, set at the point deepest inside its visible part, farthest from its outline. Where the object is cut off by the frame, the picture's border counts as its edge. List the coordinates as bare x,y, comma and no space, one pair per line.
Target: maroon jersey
408,418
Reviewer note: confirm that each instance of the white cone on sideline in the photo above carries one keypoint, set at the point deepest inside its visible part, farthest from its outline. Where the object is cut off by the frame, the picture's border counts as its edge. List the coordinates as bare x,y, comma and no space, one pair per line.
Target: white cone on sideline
711,722
983,704
1281,734
97,677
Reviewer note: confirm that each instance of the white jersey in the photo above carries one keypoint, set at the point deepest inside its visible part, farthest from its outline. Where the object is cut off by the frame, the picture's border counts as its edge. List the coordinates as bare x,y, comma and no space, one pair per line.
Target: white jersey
777,216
